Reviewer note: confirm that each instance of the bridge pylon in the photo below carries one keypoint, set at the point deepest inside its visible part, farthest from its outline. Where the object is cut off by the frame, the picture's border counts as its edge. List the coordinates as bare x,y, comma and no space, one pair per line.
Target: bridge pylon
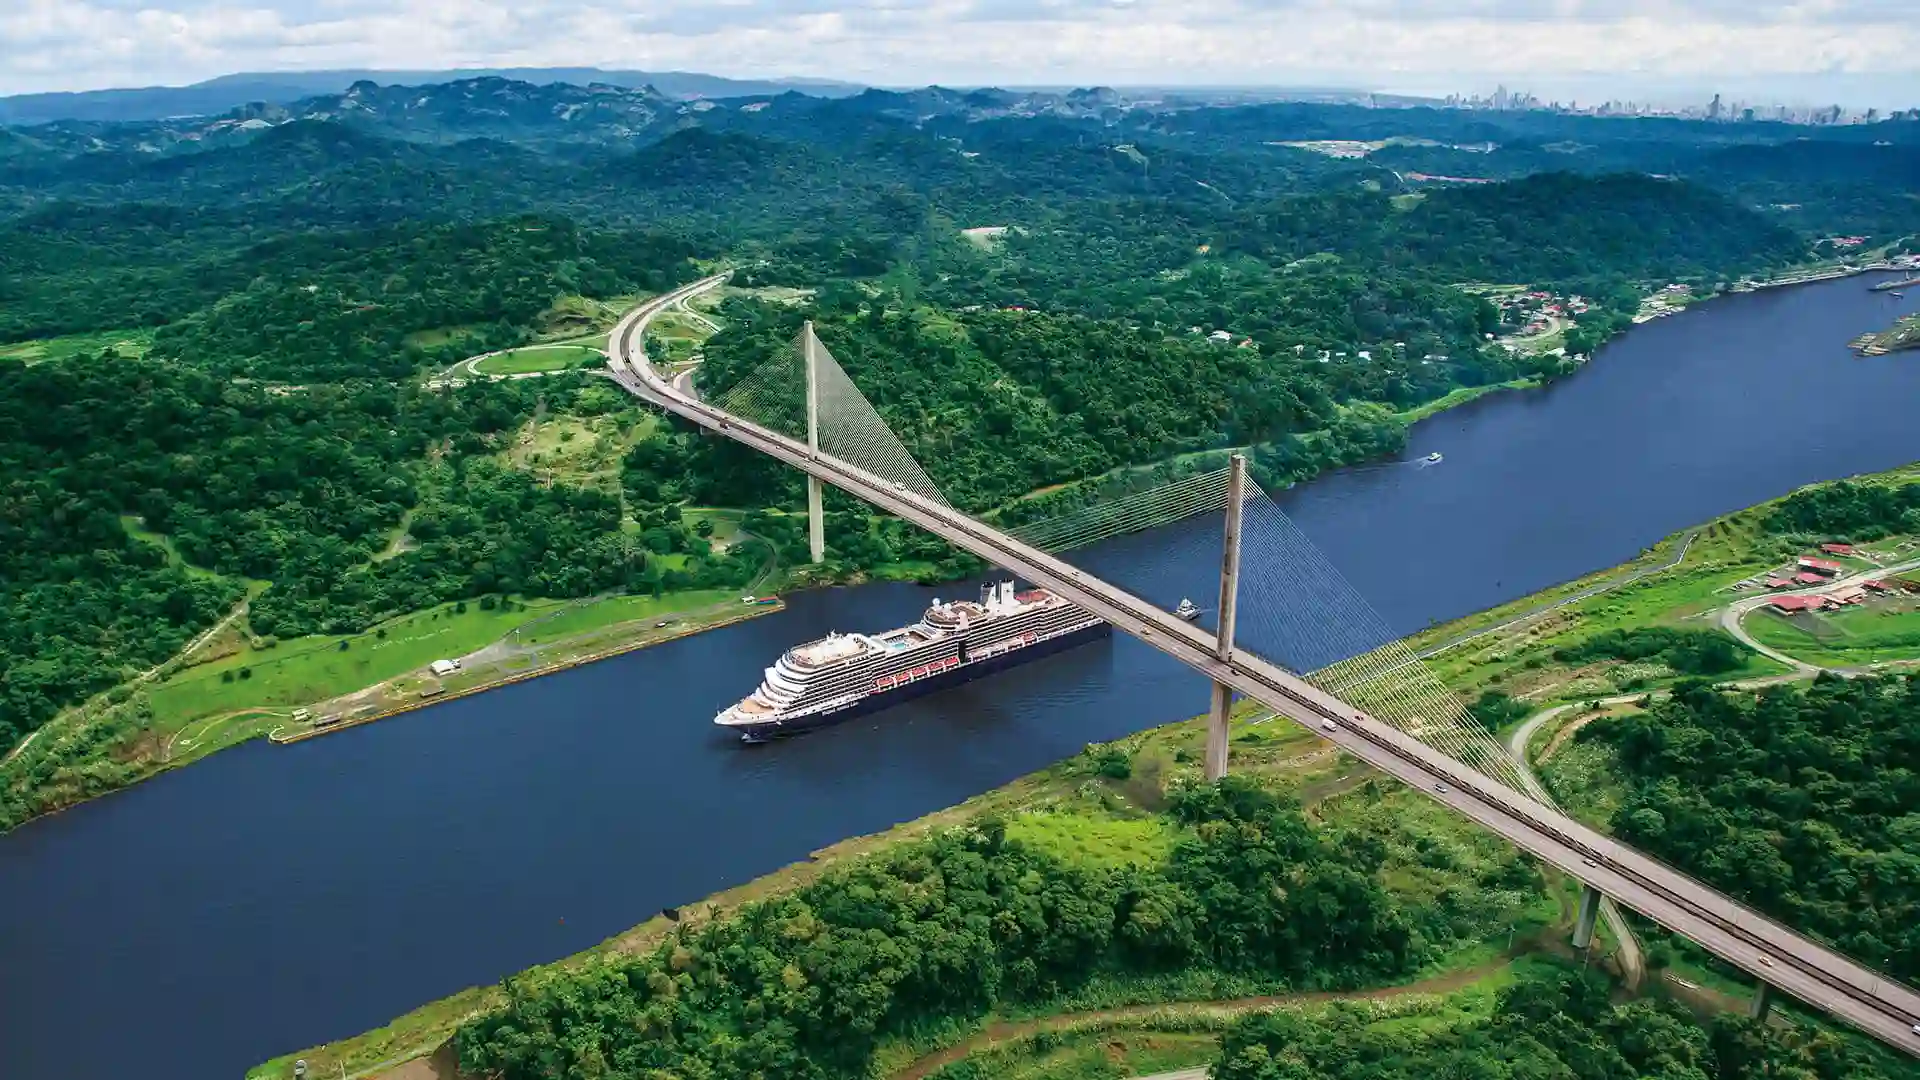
816,494
1217,734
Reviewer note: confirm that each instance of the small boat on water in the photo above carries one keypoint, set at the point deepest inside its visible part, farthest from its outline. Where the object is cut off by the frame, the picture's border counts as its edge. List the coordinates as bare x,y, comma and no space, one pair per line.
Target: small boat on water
1186,610
1433,458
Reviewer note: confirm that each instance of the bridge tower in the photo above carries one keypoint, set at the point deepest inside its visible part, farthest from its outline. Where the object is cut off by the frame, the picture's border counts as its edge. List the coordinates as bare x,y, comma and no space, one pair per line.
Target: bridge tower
816,508
1223,643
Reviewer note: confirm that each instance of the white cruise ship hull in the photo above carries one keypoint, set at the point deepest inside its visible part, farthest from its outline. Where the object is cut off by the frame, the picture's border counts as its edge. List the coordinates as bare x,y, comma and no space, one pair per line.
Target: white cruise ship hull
837,712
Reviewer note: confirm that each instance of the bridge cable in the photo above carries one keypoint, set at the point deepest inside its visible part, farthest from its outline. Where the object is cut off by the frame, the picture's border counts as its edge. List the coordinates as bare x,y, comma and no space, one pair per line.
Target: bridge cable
1303,608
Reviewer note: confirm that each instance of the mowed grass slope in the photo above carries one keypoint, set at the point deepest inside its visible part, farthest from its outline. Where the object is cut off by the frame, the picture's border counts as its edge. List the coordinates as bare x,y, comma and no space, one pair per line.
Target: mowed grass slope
310,669
540,358
1872,633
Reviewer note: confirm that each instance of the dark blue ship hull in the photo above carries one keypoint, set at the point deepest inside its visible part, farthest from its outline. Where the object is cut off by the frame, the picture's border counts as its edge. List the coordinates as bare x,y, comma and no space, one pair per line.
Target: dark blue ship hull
887,699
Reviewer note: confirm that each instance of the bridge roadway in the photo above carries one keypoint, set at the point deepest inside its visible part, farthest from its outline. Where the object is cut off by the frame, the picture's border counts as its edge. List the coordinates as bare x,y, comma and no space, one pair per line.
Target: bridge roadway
1876,1004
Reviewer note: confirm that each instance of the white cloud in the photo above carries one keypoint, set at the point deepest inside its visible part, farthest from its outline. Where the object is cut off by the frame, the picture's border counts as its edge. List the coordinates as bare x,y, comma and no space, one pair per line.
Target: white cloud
1404,44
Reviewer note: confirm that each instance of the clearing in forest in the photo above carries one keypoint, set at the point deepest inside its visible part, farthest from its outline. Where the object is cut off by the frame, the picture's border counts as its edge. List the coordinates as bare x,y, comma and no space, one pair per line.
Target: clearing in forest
539,358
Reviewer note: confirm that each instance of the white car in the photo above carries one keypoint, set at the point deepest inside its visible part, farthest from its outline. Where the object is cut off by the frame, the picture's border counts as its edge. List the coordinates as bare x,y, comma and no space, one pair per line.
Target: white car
1441,788
1328,725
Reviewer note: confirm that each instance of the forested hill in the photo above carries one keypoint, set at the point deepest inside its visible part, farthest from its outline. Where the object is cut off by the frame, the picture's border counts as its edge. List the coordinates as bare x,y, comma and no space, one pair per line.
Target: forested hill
336,308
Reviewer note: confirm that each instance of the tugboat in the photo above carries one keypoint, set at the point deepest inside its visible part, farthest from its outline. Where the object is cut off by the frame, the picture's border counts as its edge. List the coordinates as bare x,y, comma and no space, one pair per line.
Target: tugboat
1186,610
1433,458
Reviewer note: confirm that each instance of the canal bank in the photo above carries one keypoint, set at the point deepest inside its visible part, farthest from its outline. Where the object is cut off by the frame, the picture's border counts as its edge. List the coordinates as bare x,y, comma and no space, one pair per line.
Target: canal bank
681,628
277,897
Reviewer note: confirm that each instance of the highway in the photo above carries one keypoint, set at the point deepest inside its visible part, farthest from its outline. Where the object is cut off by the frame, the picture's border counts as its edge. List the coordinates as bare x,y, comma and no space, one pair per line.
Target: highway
1878,1005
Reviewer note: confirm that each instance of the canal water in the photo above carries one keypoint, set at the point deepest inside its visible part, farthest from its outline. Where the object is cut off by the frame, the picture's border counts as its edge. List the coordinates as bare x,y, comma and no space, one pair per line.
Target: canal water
275,897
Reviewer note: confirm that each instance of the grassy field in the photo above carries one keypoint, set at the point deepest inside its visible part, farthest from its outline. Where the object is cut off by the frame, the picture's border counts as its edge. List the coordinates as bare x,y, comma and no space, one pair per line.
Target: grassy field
1870,633
127,344
582,450
1095,839
539,358
578,619
310,669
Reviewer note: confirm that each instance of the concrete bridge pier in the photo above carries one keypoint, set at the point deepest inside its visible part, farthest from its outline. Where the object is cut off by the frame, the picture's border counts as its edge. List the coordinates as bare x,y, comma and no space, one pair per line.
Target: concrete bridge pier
1589,914
1762,1002
1217,734
816,494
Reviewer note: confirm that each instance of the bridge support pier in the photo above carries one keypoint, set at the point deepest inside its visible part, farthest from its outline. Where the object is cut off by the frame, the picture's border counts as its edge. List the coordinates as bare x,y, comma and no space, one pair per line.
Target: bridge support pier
1762,1002
816,494
1217,733
1589,914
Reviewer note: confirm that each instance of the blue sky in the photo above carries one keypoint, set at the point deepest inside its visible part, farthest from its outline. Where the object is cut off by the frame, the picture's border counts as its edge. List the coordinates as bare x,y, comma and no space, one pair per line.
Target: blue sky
1855,51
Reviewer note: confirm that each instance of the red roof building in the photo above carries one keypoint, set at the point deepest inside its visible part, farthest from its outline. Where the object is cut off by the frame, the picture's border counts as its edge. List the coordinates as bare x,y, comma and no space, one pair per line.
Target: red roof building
1790,604
1837,549
1823,566
1809,579
1779,583
1877,586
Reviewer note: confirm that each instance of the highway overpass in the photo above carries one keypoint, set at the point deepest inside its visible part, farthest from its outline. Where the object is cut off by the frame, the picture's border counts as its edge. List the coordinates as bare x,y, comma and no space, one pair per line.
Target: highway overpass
1876,1004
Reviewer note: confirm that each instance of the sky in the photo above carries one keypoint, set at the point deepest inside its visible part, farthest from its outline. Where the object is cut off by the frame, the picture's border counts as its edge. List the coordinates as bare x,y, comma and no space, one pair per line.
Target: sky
1850,51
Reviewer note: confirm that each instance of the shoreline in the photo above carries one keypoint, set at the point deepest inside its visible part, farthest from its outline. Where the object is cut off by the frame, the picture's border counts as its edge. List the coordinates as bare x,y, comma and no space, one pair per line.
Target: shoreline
409,707
555,668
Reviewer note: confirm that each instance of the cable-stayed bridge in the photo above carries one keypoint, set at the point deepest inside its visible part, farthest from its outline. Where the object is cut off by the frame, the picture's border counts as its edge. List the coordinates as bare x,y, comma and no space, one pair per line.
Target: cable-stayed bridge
1379,705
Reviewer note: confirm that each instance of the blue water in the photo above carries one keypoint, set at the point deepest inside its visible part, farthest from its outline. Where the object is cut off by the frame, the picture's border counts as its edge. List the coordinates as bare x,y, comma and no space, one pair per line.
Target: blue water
271,898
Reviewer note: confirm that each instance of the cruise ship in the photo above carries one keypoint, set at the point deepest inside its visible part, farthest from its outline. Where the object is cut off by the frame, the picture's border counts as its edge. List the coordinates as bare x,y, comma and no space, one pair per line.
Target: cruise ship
843,675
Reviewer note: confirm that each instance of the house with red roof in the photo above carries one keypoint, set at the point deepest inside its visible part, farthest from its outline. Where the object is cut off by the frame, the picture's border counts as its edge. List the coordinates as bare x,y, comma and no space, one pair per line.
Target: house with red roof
1791,604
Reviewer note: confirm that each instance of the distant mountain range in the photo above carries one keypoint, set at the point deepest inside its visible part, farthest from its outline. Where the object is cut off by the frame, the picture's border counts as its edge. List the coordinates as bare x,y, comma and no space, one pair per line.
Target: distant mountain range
228,92
552,116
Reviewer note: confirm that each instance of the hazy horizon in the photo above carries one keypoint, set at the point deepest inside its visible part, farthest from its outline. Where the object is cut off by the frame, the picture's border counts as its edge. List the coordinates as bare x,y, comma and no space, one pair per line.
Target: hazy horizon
1851,52
1852,92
